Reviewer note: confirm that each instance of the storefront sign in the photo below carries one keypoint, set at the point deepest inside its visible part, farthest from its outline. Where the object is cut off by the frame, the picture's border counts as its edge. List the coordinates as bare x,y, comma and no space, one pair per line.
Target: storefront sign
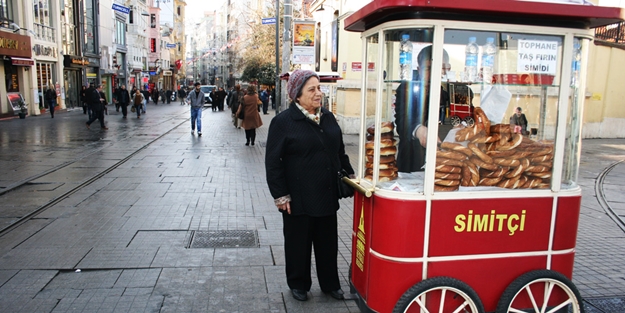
166,73
41,50
22,61
15,45
537,56
75,61
356,66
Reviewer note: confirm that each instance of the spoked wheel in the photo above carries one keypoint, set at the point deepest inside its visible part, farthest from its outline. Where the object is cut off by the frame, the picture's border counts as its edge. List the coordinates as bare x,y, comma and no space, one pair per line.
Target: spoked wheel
541,291
439,295
469,120
455,120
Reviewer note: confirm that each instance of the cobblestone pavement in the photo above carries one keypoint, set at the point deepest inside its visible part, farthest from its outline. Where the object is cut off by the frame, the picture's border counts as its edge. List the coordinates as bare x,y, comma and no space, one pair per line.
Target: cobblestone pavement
151,190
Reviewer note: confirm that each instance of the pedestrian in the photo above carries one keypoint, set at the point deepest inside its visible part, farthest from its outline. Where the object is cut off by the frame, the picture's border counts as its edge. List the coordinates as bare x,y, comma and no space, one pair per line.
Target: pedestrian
196,100
518,122
146,98
305,151
251,119
233,103
95,102
50,96
115,94
273,98
182,94
168,95
83,99
221,97
213,96
138,100
103,100
155,95
123,99
162,95
88,99
264,98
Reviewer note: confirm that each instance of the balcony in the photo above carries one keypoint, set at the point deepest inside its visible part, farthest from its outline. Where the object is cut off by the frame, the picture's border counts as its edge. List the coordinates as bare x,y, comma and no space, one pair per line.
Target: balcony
614,33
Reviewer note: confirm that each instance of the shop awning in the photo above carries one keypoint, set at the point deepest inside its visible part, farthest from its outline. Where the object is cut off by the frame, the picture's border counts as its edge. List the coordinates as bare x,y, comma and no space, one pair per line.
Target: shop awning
22,61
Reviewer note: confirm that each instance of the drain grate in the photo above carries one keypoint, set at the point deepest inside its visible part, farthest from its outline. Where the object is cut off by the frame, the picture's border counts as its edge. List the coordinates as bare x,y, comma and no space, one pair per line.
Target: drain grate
224,239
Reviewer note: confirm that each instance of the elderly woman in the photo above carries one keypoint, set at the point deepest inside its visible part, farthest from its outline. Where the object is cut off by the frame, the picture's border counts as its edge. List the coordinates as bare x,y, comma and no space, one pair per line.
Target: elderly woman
251,119
305,151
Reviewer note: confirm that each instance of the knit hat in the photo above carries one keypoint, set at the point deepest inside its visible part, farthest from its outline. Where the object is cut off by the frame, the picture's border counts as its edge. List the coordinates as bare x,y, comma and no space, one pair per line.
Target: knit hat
297,80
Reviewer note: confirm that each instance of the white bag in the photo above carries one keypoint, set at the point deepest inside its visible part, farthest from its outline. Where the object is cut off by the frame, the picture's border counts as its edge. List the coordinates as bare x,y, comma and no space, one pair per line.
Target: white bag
495,100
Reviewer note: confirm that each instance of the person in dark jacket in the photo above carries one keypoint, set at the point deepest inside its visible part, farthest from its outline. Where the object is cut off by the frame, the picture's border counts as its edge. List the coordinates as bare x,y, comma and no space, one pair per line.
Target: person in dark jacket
213,97
155,95
182,94
305,151
233,103
95,102
168,94
518,122
221,97
50,97
83,99
123,99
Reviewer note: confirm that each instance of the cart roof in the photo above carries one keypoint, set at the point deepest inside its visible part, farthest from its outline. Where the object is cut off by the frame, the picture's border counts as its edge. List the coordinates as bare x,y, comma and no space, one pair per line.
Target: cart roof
324,77
496,11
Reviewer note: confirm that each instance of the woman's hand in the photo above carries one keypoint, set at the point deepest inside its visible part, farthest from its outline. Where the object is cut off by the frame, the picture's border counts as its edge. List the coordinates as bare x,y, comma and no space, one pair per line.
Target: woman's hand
285,207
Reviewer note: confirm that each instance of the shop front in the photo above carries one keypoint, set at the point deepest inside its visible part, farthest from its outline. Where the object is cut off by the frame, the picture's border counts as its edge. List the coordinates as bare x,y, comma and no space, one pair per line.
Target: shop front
47,70
16,52
73,80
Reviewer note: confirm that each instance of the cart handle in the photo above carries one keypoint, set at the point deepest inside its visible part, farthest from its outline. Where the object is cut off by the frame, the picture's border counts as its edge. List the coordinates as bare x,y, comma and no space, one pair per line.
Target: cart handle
366,192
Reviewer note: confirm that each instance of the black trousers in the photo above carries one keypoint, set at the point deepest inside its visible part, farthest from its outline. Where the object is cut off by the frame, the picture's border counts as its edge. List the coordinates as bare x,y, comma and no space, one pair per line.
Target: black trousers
97,114
250,135
301,233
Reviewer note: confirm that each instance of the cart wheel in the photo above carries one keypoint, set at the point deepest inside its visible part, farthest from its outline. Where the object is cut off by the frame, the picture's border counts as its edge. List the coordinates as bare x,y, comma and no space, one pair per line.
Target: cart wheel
439,294
541,291
455,120
469,120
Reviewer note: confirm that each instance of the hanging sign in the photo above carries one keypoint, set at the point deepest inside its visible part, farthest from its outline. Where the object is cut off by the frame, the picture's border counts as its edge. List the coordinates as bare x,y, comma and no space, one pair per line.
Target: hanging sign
303,42
121,8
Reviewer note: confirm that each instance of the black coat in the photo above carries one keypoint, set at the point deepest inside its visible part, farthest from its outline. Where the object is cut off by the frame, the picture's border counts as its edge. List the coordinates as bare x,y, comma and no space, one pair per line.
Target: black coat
122,96
297,163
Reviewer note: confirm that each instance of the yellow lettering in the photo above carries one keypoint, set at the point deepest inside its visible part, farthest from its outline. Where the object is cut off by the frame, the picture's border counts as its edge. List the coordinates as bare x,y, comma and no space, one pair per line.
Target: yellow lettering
492,220
522,228
460,218
512,228
480,223
501,218
469,220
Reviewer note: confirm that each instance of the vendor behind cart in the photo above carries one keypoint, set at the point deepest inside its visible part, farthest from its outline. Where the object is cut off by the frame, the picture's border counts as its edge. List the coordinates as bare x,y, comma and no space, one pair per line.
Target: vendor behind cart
411,113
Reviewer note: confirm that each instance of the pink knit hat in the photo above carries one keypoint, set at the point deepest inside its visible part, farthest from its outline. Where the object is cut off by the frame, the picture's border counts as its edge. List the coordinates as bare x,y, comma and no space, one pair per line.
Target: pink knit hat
297,80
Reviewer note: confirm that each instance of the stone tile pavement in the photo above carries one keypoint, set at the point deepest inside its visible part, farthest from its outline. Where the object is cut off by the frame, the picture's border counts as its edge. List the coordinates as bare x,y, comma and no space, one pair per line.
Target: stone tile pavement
128,229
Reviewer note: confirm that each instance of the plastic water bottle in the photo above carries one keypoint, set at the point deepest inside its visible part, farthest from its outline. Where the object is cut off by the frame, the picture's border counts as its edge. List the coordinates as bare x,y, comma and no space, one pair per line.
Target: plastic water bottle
470,61
405,58
488,60
577,63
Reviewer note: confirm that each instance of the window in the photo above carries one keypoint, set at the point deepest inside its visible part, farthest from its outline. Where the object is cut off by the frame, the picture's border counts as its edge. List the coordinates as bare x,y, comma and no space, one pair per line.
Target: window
120,32
6,13
43,20
68,28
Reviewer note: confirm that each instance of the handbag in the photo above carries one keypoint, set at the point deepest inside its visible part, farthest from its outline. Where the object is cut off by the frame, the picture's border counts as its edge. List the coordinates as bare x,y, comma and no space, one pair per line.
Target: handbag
242,112
344,190
132,109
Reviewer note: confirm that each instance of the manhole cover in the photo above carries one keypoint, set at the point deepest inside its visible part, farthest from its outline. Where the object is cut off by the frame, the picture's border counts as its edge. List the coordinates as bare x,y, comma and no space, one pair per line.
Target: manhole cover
224,239
605,305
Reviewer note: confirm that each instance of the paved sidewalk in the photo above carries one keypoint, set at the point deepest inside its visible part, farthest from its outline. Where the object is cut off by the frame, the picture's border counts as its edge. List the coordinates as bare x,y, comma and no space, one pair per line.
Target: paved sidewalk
129,230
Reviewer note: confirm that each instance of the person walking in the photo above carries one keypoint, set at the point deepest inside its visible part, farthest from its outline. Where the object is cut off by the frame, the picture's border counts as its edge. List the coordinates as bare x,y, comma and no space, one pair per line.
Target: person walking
221,97
264,98
146,97
168,95
138,100
95,102
115,93
251,119
162,95
196,100
233,104
305,151
213,96
50,97
182,94
103,101
122,99
83,99
155,95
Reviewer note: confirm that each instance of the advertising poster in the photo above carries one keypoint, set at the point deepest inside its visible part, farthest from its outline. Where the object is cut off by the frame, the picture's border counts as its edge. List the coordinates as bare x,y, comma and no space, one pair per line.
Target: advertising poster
303,42
335,46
